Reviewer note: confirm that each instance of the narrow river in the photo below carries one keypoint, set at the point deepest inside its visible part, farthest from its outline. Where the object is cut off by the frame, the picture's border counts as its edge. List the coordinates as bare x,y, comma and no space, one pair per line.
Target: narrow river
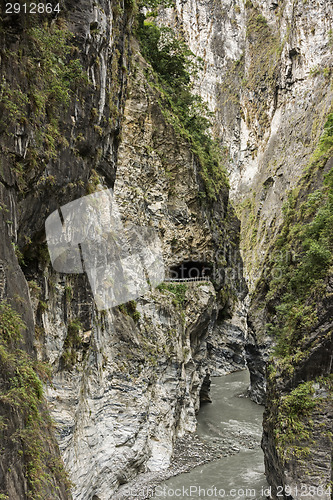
237,421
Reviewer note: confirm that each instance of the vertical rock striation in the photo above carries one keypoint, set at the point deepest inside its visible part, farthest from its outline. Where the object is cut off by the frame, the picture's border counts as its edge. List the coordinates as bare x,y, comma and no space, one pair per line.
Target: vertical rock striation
125,382
82,111
267,75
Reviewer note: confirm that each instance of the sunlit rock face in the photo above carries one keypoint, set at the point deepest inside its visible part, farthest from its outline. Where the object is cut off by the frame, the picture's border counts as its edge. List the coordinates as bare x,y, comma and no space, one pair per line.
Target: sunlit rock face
127,377
127,380
54,172
136,387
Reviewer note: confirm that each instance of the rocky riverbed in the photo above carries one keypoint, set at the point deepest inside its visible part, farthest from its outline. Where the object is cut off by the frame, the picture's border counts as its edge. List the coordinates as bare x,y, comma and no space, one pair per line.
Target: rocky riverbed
190,452
193,450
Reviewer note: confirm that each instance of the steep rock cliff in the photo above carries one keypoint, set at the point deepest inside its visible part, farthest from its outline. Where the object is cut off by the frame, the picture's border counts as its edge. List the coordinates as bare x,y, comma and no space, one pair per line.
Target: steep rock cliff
294,302
136,382
64,134
266,75
125,382
268,78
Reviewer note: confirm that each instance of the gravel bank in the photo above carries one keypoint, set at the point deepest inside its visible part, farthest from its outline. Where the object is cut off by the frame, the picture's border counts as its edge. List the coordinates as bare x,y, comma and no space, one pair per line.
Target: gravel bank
190,451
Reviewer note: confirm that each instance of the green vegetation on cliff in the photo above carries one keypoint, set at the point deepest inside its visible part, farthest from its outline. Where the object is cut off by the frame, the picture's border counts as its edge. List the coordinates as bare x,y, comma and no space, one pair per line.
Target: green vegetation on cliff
174,65
264,51
72,343
177,289
129,309
296,292
303,255
47,72
22,404
294,412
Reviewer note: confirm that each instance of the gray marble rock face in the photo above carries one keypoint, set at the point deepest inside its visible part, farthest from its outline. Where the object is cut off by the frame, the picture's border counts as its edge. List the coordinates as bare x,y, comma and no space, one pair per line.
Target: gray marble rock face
268,126
119,410
271,91
127,381
131,384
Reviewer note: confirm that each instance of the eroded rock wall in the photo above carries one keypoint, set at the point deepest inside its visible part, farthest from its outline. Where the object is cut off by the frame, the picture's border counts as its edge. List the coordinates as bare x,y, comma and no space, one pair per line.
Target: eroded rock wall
125,382
267,76
50,144
136,384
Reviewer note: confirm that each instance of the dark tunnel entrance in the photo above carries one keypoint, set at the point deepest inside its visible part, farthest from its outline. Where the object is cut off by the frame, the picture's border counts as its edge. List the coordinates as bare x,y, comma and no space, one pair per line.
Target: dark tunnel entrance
190,269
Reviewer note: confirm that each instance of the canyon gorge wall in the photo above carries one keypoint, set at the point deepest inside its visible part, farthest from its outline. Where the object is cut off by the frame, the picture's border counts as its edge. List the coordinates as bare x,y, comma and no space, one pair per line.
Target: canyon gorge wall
267,75
83,113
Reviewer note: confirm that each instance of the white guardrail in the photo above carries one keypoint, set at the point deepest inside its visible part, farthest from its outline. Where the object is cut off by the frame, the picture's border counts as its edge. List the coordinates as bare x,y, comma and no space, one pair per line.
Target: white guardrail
181,280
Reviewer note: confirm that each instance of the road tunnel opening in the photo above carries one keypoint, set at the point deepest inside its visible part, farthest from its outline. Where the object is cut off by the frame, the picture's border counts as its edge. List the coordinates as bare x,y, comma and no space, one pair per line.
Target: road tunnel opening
190,269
